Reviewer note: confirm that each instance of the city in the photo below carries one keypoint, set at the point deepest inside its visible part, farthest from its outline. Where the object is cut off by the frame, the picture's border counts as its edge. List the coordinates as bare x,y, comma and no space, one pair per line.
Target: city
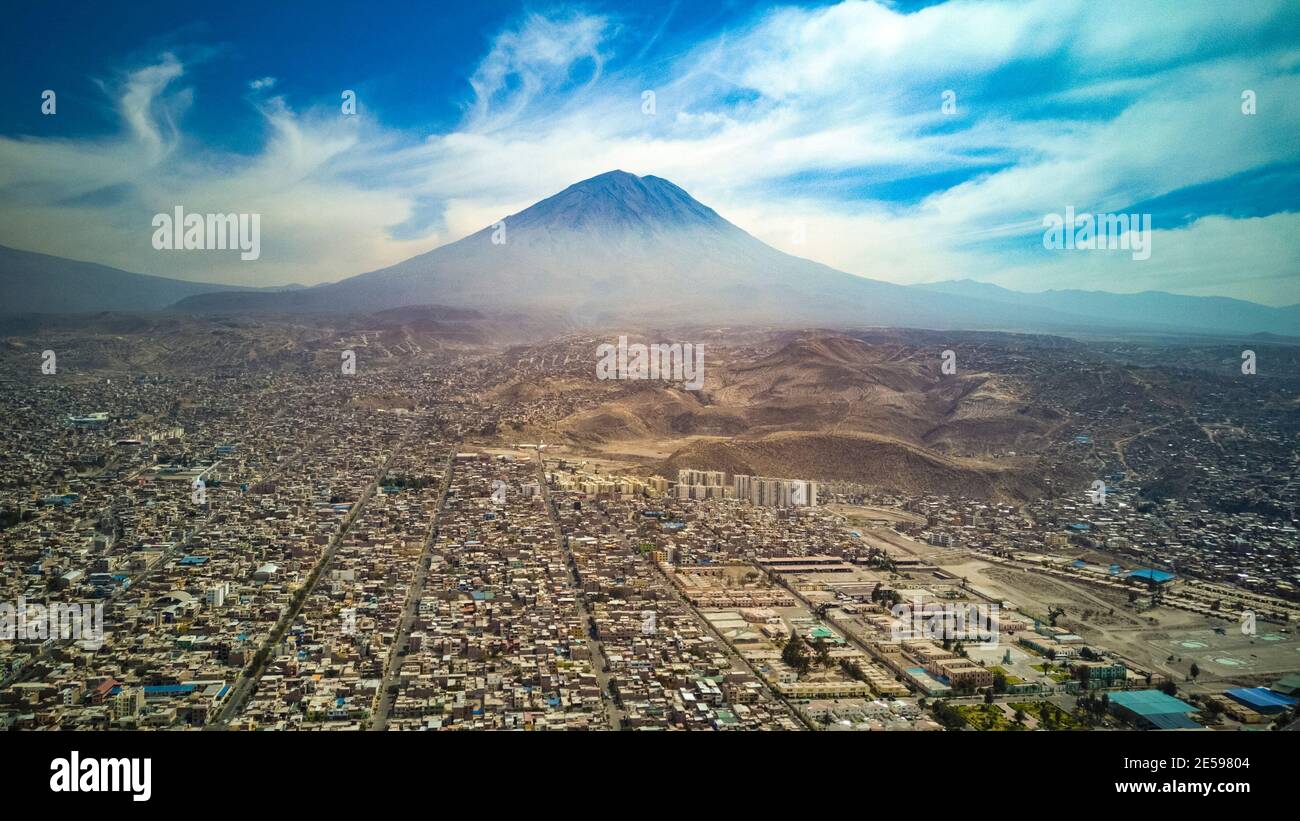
366,551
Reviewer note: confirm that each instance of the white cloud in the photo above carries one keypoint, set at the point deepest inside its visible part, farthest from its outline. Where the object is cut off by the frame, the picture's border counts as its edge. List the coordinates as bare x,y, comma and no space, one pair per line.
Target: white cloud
149,116
525,61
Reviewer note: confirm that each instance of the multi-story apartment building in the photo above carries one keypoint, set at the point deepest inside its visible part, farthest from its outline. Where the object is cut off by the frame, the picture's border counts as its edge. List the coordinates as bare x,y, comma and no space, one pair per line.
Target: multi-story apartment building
768,492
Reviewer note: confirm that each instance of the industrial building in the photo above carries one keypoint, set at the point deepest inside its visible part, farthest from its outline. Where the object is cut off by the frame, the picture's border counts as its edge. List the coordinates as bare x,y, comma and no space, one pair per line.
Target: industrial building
1153,709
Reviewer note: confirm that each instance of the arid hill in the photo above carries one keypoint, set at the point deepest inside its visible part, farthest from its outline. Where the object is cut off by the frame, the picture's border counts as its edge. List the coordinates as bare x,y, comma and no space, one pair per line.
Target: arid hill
827,384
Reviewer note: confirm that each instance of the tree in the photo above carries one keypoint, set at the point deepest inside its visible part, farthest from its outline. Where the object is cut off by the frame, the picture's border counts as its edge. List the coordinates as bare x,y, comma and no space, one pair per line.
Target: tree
1020,717
823,650
947,716
795,653
1087,704
1195,671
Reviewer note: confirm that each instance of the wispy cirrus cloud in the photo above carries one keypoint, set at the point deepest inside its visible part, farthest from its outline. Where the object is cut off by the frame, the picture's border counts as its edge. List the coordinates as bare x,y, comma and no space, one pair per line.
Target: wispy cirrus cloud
533,61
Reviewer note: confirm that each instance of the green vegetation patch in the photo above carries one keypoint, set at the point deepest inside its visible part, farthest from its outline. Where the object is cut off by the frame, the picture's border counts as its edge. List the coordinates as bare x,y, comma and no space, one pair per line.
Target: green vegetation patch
984,716
1049,715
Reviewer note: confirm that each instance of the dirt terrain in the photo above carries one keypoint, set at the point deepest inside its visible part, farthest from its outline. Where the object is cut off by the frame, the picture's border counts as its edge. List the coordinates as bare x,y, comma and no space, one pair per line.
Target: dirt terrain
1161,639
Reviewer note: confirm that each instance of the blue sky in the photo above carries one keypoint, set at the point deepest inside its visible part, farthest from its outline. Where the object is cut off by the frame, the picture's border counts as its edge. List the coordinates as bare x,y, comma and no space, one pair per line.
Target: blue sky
818,127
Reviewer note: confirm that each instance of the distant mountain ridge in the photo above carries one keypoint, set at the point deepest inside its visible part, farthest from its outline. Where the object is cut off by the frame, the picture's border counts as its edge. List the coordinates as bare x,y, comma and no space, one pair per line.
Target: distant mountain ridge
1207,313
44,284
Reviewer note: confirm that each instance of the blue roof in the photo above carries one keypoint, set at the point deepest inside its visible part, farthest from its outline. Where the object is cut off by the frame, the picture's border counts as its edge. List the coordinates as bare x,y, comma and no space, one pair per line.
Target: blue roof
1147,574
168,689
1148,703
1172,721
1261,698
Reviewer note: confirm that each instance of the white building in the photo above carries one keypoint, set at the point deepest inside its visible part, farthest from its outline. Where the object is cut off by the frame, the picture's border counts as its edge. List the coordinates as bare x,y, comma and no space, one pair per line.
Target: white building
765,491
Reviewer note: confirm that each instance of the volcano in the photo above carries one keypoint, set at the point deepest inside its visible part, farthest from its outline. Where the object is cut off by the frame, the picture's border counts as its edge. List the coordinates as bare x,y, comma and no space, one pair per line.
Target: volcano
618,248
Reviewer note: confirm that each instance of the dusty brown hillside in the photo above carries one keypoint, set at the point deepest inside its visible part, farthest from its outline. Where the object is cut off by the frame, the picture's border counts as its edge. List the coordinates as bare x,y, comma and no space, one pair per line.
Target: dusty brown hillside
826,384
